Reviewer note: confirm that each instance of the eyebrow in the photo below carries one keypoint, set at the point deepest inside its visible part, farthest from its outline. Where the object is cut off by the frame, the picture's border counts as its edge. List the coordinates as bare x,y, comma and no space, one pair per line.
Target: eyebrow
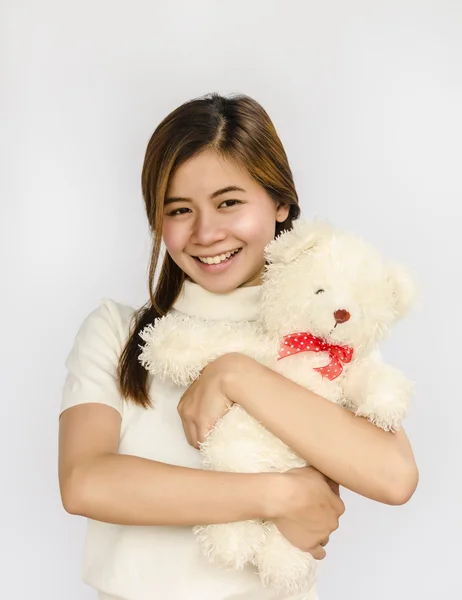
225,190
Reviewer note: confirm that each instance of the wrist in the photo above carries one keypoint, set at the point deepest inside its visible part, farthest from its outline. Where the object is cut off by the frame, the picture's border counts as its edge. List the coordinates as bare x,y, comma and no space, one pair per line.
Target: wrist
236,375
279,495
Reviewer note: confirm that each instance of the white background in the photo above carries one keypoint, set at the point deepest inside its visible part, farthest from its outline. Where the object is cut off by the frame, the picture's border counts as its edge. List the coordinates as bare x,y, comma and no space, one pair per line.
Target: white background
367,99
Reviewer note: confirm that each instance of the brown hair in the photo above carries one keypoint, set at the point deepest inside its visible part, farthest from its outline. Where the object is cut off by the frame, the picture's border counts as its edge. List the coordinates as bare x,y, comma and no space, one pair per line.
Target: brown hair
237,128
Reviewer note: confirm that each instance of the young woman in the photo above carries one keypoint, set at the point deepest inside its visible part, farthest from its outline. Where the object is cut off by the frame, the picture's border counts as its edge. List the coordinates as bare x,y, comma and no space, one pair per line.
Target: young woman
217,187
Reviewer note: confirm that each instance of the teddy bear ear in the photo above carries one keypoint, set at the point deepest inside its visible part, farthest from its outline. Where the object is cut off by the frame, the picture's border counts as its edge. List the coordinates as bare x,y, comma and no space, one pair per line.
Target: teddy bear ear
305,235
404,289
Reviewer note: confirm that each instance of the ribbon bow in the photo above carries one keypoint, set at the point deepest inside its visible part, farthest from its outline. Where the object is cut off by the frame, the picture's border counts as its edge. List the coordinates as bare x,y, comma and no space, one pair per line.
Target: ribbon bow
295,343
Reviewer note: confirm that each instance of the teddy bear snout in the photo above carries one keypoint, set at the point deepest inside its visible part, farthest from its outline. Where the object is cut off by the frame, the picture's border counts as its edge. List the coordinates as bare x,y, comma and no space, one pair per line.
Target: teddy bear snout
341,316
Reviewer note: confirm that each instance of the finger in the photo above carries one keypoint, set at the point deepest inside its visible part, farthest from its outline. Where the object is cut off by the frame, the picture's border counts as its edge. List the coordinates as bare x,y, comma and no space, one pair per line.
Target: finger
190,432
181,403
333,526
201,434
318,553
195,439
339,506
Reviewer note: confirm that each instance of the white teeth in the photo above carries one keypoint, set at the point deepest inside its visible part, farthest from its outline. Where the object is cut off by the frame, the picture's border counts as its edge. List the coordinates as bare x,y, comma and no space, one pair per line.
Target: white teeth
215,260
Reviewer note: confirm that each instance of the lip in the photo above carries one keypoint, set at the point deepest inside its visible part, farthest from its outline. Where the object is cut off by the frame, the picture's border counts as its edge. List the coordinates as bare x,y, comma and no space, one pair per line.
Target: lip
220,267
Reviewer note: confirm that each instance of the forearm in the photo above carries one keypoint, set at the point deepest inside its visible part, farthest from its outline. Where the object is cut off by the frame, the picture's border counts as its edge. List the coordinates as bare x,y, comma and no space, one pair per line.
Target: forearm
129,490
348,449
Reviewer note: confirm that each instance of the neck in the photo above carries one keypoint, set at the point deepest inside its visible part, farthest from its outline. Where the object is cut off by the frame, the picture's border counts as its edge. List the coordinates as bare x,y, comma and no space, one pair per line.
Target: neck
241,304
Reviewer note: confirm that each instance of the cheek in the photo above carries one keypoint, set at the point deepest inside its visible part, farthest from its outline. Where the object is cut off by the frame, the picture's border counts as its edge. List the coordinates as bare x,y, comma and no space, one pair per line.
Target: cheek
256,226
172,236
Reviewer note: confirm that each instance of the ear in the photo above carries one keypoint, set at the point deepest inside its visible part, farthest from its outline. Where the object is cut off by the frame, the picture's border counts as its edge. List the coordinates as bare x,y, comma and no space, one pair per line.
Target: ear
282,212
403,288
304,236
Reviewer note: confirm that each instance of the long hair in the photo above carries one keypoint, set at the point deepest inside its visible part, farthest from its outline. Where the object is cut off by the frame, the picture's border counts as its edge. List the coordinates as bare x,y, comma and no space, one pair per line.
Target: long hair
236,128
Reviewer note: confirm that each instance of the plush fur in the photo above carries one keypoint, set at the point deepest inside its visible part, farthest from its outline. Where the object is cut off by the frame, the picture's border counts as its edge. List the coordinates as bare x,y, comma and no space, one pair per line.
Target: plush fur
313,272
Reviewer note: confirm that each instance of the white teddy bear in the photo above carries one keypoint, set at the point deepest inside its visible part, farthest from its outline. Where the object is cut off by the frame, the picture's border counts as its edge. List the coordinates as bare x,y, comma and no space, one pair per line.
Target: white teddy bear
327,299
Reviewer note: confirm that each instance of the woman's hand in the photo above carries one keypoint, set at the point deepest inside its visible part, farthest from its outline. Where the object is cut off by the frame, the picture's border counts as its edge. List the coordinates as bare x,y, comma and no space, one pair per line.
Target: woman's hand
310,510
205,401
306,504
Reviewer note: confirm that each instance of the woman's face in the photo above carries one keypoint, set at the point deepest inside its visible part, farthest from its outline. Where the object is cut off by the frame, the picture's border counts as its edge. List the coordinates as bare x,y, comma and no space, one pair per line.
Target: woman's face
212,208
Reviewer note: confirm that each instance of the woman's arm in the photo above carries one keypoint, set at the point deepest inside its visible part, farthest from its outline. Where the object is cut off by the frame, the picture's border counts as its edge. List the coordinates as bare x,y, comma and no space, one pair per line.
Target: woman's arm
348,449
99,483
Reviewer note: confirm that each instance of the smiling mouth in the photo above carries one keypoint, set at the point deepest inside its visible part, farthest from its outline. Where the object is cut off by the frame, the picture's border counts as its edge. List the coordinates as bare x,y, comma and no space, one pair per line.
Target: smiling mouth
218,259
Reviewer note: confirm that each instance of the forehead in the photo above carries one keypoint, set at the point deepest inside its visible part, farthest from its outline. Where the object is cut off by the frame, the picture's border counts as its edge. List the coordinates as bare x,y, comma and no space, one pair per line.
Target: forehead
203,174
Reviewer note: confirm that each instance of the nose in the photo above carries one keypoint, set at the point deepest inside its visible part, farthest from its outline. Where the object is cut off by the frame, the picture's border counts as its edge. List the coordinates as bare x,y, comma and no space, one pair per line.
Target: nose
207,230
341,316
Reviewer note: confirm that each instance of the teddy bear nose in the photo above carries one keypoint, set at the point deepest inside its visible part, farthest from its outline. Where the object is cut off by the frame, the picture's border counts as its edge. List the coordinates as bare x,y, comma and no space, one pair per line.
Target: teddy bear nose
341,316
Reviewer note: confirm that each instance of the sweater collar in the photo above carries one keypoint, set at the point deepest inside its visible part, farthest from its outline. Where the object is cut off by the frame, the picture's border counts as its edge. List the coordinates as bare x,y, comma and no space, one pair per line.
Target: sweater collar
240,304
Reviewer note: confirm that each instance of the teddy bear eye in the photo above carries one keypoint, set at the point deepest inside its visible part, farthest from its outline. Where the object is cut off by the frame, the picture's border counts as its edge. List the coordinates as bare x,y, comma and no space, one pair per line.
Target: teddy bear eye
320,291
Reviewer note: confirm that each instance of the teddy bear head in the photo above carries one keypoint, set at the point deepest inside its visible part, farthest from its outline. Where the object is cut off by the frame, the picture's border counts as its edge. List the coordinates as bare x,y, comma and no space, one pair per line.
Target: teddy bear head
333,285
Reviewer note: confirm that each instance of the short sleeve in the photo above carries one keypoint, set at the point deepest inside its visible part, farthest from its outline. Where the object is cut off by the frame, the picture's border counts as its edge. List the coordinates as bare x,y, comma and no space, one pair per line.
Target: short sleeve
93,360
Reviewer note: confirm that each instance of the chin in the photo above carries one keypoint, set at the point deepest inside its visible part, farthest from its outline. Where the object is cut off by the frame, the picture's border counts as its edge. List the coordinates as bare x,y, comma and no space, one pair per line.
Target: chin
225,284
217,287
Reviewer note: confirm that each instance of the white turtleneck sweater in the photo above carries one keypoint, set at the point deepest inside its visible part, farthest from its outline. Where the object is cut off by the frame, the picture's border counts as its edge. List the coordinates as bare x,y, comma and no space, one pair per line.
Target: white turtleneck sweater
152,563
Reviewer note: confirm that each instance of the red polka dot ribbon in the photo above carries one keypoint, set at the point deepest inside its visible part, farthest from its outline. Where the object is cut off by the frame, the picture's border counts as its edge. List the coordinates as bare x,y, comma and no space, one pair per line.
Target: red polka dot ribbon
305,342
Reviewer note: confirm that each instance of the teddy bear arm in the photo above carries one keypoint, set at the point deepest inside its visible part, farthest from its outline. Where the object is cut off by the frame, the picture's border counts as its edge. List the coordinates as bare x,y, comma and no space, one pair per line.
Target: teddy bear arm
179,348
231,545
379,392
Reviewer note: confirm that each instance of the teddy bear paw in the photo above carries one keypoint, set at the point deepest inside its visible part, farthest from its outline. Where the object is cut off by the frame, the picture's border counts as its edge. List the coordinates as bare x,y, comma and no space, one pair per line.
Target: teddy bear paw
388,417
231,545
284,567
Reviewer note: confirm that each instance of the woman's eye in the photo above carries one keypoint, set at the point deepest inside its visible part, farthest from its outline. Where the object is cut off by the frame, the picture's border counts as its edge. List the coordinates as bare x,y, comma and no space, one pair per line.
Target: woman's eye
182,211
232,201
320,291
175,212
